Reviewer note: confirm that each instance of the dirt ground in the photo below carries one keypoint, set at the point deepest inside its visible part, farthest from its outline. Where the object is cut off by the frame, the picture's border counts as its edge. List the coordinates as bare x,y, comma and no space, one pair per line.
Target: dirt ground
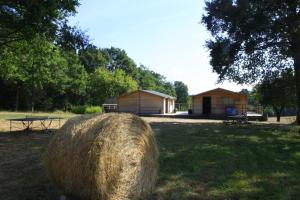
5,125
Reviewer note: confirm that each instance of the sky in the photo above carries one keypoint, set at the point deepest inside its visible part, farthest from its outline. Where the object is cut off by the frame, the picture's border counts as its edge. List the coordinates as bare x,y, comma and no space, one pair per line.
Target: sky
164,35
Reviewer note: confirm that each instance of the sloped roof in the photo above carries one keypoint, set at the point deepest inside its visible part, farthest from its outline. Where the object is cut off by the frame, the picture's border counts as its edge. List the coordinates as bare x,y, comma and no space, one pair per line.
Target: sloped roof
219,89
150,92
159,94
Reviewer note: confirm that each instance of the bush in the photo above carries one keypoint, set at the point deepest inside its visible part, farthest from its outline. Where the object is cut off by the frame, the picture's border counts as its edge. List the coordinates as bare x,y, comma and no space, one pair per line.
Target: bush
93,109
86,109
78,109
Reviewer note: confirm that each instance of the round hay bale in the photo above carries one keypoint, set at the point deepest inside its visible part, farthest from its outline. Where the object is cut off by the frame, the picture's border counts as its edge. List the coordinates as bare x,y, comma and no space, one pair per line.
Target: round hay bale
108,156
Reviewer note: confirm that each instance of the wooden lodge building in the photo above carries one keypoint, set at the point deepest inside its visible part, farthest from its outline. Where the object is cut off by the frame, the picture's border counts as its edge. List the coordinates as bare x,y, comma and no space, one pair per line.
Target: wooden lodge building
146,102
216,102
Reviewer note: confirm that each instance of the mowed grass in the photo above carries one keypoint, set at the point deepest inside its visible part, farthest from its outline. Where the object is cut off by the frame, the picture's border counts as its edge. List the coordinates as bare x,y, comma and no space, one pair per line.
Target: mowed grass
197,161
215,161
15,115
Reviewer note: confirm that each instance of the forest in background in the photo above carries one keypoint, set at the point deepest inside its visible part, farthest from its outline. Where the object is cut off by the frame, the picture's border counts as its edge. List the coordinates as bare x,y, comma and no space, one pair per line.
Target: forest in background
46,64
43,75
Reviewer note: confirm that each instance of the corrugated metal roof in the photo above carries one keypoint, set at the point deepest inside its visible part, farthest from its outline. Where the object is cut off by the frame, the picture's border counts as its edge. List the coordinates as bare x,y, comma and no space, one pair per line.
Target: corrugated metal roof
159,94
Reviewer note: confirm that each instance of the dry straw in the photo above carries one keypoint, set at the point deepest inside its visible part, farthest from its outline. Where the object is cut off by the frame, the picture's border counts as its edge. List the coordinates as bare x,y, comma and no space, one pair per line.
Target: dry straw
107,157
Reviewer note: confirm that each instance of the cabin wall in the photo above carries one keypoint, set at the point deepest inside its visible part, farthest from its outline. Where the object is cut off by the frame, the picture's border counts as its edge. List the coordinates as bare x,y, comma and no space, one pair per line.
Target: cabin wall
197,105
151,104
129,103
141,103
219,103
171,105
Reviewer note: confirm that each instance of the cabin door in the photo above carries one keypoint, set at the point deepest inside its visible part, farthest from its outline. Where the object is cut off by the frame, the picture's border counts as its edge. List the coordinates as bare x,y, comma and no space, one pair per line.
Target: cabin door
167,106
206,105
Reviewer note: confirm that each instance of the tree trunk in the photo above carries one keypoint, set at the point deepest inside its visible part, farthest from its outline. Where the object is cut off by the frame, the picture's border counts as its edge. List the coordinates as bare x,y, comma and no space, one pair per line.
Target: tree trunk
17,98
278,117
297,80
278,110
32,106
32,101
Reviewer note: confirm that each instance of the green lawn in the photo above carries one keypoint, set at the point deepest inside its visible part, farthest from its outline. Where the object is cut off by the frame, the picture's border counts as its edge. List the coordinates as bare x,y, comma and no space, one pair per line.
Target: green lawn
197,161
214,161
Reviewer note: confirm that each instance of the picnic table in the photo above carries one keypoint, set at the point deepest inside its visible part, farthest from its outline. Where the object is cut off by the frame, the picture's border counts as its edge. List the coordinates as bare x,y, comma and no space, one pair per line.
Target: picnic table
236,119
27,122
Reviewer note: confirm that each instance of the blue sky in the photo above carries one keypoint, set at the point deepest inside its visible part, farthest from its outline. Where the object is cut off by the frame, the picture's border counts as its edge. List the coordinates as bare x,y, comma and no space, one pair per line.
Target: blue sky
164,35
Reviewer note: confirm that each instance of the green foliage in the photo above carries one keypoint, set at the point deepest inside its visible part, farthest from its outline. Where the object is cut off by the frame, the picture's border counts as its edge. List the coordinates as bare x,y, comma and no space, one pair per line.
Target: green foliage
251,100
181,92
93,109
78,109
92,58
251,38
104,84
118,59
22,20
254,38
277,91
86,109
40,75
41,70
150,80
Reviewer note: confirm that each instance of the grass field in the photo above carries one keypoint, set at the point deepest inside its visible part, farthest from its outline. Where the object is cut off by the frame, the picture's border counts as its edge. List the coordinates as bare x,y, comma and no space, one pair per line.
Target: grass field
198,161
12,115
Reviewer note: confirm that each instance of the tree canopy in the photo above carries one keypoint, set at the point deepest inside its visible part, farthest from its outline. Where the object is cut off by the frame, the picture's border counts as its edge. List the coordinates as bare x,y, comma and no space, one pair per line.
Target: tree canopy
150,80
253,38
277,91
22,20
182,92
40,74
46,64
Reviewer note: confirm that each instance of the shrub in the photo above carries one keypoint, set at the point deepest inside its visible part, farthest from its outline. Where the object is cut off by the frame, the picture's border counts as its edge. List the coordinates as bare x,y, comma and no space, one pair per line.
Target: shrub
78,109
93,109
86,109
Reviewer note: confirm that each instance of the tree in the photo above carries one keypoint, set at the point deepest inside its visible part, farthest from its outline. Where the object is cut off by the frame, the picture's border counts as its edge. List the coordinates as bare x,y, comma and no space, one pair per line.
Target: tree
277,91
42,75
118,59
71,38
28,67
92,58
146,79
105,84
75,82
253,38
251,100
181,92
22,20
168,88
150,80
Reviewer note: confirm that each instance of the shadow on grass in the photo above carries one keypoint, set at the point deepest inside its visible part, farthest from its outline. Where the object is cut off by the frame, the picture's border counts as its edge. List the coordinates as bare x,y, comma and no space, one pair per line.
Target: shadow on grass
198,161
22,171
215,161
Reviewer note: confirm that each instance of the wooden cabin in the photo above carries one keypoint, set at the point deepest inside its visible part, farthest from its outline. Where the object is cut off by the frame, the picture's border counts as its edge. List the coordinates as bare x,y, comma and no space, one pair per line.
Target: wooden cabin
146,102
216,102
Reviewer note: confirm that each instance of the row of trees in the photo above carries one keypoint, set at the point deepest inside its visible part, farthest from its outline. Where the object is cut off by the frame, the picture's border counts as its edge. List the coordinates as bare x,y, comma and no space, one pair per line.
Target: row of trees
40,74
46,64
